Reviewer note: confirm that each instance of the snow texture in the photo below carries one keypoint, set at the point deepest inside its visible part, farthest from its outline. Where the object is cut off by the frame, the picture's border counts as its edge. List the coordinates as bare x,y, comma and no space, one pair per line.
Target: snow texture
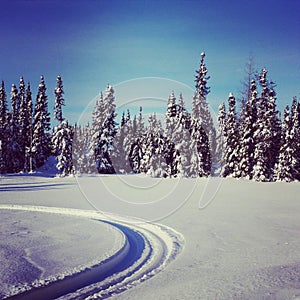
243,245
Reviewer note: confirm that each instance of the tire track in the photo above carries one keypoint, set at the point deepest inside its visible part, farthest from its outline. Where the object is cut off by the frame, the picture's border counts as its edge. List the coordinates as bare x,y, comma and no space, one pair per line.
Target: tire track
147,250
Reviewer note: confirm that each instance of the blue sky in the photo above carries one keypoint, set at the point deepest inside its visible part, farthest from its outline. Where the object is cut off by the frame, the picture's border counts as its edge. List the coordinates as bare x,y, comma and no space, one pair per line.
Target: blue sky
92,43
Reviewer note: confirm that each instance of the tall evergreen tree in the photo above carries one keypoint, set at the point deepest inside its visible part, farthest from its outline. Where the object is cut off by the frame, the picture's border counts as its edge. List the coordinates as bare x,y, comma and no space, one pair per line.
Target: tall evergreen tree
201,159
267,135
81,149
221,136
59,100
200,109
295,138
140,125
182,138
41,143
104,139
28,129
153,161
62,139
286,168
171,120
247,131
231,135
4,130
122,145
16,155
96,129
22,123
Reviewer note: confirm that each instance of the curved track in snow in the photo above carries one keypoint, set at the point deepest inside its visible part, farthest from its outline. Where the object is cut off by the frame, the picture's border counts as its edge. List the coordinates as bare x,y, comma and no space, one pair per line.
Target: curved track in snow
147,250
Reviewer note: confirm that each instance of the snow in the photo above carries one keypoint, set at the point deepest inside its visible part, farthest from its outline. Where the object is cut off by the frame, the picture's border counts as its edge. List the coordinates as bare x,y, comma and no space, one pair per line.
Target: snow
36,248
242,244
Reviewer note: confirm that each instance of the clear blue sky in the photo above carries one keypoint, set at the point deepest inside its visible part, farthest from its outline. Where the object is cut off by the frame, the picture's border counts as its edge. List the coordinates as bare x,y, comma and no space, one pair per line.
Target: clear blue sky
92,43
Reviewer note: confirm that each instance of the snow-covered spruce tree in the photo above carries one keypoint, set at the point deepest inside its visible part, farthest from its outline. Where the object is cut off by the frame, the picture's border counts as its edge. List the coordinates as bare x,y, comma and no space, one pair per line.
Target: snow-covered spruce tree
81,148
62,139
171,115
200,108
247,130
286,168
41,142
295,140
134,149
15,145
296,126
104,139
122,145
182,138
139,131
4,131
221,136
136,154
22,123
231,156
96,129
171,120
28,128
59,100
153,161
267,135
200,151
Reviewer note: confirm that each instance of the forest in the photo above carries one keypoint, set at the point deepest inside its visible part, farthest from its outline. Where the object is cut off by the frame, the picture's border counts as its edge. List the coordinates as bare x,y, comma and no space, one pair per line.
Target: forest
252,140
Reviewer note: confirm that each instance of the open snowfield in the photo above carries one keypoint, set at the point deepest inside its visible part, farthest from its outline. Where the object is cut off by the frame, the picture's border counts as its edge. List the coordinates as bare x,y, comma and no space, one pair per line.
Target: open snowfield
243,245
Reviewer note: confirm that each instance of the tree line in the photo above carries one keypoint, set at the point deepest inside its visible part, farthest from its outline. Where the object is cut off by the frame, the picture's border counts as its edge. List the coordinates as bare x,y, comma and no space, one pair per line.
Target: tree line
26,140
254,143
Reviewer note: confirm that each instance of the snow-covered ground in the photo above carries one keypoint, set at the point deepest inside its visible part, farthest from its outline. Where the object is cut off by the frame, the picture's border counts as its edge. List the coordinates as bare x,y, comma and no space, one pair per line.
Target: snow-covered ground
243,245
40,247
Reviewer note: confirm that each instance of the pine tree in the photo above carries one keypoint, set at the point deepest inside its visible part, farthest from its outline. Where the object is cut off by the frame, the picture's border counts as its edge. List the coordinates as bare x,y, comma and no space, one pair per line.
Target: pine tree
201,111
201,158
104,139
295,139
296,123
136,155
122,145
183,154
231,135
4,131
62,139
247,131
22,123
171,120
221,136
16,154
153,160
181,142
59,100
287,165
140,125
28,129
81,149
41,125
267,135
96,129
